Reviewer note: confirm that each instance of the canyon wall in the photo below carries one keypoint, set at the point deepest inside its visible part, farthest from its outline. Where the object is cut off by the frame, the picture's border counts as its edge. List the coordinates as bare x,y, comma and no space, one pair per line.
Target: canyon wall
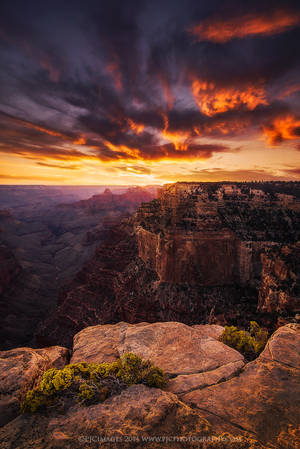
196,254
204,258
200,233
279,290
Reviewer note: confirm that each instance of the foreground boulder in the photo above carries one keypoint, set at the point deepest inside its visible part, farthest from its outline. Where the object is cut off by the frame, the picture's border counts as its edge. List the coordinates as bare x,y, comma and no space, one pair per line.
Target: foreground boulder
186,353
211,392
265,398
20,369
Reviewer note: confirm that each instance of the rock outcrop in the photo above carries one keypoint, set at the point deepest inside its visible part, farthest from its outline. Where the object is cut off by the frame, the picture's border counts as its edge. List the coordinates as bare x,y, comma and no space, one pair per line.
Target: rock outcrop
265,398
211,392
188,355
20,369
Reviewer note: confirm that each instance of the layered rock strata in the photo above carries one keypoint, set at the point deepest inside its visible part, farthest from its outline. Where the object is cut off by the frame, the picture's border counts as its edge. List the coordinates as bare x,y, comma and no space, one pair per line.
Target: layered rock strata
197,254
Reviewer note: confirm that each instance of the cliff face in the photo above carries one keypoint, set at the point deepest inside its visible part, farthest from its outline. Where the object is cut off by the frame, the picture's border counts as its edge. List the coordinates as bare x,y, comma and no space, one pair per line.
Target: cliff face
203,258
212,234
192,255
279,291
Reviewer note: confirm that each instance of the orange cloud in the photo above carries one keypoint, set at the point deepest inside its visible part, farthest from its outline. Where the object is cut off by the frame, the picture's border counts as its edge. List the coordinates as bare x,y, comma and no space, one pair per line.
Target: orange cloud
212,99
42,129
178,139
285,128
222,127
136,127
220,30
80,141
127,152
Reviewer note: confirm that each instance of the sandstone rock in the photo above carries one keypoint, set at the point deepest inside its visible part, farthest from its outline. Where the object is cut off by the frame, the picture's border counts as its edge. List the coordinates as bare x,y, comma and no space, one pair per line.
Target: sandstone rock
136,413
20,369
260,402
265,398
284,346
279,288
185,383
174,347
210,330
194,234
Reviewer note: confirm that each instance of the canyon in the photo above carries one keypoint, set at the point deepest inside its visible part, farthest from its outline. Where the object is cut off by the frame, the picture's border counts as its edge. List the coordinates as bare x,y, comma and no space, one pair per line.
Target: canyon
158,275
46,235
199,253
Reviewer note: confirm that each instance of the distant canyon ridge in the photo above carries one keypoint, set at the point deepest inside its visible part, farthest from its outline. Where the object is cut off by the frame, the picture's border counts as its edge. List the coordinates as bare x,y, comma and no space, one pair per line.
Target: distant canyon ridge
47,234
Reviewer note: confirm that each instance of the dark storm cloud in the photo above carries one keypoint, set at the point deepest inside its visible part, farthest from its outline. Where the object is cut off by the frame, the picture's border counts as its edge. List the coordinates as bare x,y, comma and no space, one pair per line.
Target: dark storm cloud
140,80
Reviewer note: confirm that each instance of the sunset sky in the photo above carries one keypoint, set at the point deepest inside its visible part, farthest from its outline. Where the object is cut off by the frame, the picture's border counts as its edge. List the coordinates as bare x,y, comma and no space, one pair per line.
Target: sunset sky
149,91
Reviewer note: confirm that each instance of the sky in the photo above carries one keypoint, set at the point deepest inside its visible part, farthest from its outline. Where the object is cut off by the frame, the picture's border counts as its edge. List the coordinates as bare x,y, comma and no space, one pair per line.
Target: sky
149,91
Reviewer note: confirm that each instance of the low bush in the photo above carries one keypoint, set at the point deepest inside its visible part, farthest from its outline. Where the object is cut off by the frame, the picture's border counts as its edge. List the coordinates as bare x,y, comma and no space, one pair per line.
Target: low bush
90,383
249,343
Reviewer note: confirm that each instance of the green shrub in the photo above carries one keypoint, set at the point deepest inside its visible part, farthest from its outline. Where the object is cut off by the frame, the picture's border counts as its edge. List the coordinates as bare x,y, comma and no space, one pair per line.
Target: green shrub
250,344
91,382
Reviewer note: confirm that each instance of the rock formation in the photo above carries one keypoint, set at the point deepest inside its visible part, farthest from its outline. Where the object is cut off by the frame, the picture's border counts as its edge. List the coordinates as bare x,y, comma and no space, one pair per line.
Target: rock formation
47,245
124,202
211,392
20,369
279,290
196,254
212,234
265,398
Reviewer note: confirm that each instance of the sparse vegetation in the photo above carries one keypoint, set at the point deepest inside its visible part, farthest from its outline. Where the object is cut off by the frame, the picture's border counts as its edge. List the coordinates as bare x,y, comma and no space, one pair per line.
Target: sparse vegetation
249,343
89,383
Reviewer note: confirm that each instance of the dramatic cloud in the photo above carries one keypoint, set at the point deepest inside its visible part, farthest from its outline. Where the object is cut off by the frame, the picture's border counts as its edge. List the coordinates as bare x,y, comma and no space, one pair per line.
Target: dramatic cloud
285,128
212,100
266,24
148,90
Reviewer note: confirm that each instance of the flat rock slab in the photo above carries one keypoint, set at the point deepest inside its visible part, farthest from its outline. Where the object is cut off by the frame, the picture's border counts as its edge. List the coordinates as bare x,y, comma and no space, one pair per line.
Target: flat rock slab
136,413
210,330
21,368
174,347
186,383
265,397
